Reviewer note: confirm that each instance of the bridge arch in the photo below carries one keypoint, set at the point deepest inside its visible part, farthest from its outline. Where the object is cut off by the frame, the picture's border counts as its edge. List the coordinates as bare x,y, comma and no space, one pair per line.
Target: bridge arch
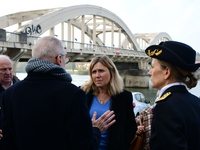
55,16
92,21
162,36
147,39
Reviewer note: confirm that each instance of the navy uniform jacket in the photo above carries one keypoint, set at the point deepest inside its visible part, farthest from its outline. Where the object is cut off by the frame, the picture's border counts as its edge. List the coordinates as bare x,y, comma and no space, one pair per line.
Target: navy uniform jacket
43,112
176,121
123,130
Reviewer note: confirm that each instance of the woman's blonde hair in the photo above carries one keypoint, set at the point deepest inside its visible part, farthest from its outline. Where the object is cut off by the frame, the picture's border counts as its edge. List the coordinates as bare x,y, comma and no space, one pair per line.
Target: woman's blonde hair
116,84
180,75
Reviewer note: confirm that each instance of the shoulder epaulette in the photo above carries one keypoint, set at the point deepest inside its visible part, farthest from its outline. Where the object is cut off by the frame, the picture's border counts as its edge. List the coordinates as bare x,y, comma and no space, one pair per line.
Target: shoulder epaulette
164,96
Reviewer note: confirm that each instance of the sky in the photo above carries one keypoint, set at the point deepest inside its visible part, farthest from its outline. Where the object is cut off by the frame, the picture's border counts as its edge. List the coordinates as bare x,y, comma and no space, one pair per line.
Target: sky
179,18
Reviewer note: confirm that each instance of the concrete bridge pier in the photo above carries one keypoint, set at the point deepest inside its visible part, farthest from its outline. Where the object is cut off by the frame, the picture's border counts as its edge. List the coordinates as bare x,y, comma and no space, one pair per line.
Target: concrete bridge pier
132,75
136,78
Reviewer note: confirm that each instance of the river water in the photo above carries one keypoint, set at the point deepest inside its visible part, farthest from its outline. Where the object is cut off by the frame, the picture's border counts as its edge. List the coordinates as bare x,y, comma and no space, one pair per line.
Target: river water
149,93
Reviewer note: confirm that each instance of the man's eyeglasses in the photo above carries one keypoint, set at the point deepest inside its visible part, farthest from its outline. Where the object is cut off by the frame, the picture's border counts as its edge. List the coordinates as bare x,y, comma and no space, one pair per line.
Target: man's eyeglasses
59,54
66,58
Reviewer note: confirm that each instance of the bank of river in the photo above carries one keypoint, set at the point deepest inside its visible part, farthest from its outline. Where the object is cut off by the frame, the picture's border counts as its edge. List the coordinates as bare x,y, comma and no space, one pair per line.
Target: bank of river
149,93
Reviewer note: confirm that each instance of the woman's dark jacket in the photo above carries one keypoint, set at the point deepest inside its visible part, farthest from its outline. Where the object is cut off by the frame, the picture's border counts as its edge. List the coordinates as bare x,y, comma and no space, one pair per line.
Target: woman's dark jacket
176,121
122,132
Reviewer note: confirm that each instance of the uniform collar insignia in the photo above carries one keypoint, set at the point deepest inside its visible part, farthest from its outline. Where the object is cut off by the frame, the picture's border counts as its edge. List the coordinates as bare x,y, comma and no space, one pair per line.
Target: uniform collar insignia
164,96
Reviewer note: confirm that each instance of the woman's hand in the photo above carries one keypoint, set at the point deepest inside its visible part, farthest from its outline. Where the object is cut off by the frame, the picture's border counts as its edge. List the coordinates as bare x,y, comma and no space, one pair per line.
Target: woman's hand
103,122
140,129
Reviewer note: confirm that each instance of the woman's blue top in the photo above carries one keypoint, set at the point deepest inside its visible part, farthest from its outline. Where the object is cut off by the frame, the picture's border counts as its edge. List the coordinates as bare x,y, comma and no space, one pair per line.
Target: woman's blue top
100,109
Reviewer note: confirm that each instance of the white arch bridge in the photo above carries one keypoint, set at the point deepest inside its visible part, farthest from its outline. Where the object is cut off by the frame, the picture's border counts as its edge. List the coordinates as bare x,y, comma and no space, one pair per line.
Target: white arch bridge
86,31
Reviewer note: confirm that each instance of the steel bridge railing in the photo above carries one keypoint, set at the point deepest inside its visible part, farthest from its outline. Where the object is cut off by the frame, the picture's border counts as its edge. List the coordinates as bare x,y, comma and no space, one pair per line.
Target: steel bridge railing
30,40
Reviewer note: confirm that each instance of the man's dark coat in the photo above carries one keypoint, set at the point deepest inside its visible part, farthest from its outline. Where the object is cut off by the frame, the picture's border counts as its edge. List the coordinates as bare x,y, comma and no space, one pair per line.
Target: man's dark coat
43,112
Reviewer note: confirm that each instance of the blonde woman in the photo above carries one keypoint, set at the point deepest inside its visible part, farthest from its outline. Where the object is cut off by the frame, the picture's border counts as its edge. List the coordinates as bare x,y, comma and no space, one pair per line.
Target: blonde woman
105,92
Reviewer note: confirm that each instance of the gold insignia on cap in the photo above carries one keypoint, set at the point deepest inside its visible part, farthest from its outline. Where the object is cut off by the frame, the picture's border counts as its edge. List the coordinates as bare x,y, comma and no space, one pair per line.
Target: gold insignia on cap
154,52
164,96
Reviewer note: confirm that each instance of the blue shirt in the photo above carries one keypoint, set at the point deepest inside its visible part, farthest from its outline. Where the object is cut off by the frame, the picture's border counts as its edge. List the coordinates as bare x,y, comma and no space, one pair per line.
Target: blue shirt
100,109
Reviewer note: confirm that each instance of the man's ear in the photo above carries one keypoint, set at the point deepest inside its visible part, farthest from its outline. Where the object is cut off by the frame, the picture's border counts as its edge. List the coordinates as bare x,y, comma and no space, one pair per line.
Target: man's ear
59,60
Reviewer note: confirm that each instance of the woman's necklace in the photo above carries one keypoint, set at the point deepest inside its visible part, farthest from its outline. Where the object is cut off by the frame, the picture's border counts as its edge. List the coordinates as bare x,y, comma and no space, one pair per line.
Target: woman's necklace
102,98
101,102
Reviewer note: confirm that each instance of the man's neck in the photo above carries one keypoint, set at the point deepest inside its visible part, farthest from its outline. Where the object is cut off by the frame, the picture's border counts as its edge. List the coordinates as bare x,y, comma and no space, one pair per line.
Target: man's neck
6,85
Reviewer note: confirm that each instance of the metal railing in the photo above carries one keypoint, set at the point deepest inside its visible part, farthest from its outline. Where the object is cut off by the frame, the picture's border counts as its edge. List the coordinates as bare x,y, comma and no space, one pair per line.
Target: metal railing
30,40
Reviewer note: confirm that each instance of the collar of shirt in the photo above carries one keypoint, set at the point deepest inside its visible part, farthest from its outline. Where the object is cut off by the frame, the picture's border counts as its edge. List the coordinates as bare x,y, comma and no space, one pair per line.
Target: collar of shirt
9,86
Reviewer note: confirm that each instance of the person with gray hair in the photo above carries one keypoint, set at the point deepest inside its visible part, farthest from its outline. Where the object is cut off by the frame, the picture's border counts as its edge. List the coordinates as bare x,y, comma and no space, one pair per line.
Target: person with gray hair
47,111
6,75
6,79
